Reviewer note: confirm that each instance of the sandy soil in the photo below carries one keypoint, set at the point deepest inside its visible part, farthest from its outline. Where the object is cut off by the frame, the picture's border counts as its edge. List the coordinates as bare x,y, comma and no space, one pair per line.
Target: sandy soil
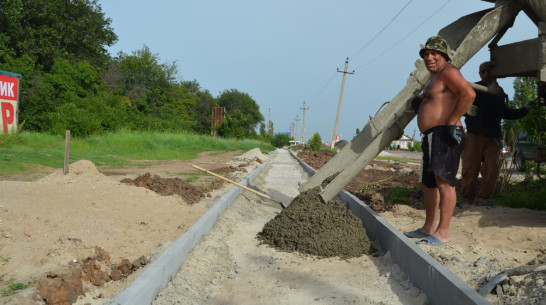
89,220
485,240
55,223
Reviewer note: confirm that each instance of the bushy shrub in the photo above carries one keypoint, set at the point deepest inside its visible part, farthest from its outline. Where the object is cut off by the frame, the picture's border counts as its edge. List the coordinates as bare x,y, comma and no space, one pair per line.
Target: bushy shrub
280,140
316,142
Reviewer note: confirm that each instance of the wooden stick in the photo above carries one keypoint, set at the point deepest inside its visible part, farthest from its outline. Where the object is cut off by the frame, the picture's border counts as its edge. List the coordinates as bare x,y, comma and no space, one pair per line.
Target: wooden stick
232,182
66,152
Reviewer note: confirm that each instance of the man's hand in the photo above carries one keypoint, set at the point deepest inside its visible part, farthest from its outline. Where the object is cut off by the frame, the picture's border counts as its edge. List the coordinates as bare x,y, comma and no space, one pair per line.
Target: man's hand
453,134
415,103
530,104
472,111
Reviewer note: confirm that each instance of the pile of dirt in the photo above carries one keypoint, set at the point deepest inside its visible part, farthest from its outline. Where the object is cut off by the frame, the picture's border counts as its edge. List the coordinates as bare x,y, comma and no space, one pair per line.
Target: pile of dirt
310,226
376,180
168,186
315,159
65,287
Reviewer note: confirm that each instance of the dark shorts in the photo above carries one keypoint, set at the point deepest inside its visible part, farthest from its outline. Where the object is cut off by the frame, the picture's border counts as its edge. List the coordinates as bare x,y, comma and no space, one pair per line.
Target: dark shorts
440,156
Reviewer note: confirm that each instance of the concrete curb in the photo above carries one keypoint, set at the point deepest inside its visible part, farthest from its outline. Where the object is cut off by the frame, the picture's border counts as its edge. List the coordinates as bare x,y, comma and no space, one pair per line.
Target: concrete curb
439,283
145,288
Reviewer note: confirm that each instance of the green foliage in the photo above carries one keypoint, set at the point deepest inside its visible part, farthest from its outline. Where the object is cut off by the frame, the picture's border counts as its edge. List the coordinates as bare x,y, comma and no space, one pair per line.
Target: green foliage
525,90
236,100
529,194
70,82
13,288
46,30
398,195
416,147
316,142
67,83
234,126
281,140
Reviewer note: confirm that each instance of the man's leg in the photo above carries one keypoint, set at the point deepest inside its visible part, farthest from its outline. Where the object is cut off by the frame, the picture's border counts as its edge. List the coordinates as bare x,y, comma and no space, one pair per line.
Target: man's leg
471,163
432,200
490,169
448,198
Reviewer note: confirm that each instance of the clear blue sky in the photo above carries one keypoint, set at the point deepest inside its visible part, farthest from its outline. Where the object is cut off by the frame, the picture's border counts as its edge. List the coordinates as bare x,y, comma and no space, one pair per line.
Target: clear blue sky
283,53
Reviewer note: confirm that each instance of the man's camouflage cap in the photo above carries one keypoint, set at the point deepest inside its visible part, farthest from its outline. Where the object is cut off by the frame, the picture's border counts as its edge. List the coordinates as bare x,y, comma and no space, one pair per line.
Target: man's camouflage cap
435,43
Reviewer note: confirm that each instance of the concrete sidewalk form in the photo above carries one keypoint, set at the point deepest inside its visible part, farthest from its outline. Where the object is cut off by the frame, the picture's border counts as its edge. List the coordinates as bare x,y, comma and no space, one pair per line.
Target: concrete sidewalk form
439,283
145,288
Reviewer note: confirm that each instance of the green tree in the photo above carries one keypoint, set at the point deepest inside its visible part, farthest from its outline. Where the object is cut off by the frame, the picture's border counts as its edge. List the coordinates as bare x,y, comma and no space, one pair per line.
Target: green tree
66,83
236,100
144,80
233,125
525,90
316,142
281,140
270,128
45,30
203,108
262,129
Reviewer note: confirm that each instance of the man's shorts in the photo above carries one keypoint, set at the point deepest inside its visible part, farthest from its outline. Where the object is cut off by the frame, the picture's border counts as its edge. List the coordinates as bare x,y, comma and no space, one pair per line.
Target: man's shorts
440,156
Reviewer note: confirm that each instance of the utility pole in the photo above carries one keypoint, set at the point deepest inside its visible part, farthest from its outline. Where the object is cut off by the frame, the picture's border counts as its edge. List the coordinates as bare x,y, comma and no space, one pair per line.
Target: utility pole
340,99
296,129
291,128
269,122
303,126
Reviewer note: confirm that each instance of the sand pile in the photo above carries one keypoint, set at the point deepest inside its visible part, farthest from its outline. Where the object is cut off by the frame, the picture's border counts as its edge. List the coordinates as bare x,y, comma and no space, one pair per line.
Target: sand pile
310,226
252,155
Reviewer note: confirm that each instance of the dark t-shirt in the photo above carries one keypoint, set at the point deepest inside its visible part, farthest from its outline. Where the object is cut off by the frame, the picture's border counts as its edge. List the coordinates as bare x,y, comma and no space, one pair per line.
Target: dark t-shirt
491,110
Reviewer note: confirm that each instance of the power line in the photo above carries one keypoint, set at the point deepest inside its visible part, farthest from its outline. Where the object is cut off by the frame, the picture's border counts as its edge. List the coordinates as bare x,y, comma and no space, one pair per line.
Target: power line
381,54
324,87
364,47
381,31
404,37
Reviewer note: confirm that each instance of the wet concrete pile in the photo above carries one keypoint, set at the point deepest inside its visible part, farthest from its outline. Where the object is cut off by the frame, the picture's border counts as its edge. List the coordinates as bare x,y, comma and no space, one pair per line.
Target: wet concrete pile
310,226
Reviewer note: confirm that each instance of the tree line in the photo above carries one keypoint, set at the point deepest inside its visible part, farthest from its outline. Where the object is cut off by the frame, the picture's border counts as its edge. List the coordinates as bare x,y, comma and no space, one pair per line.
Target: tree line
70,82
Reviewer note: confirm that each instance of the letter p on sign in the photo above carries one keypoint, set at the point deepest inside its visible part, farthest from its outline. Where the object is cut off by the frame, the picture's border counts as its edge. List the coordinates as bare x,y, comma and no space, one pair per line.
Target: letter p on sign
8,115
9,100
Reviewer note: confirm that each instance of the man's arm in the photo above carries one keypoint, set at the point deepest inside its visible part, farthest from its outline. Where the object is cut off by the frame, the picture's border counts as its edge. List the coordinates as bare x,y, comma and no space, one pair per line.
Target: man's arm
463,92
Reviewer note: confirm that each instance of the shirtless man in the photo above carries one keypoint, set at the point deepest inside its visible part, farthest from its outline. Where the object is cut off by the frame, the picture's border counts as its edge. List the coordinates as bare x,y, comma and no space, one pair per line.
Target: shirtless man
445,99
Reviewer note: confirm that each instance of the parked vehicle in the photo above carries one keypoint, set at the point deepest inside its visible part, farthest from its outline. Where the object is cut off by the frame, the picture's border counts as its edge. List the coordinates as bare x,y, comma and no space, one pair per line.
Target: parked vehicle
506,150
525,150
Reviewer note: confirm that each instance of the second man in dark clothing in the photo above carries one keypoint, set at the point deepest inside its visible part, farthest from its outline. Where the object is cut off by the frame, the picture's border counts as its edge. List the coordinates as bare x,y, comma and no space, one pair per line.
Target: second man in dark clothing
483,144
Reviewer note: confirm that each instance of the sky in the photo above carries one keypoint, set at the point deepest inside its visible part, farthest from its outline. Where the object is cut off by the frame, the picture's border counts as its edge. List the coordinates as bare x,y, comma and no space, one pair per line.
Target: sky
286,53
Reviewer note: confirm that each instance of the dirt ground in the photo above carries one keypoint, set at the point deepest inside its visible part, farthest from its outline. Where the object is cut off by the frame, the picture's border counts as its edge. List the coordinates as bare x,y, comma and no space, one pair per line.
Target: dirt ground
66,235
104,227
485,240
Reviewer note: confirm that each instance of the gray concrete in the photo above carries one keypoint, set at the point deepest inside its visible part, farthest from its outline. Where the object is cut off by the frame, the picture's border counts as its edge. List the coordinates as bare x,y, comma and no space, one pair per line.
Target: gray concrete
281,181
438,282
144,289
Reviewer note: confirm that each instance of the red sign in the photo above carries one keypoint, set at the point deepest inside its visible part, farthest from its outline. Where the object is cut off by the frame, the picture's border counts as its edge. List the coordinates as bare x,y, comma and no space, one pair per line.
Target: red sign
9,100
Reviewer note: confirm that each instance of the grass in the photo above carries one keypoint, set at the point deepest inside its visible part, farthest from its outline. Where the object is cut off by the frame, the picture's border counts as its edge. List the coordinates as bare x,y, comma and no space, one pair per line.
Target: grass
530,194
13,288
20,152
398,195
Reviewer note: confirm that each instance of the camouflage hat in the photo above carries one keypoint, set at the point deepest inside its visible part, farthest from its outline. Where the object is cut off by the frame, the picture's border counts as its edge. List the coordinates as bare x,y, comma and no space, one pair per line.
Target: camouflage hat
435,43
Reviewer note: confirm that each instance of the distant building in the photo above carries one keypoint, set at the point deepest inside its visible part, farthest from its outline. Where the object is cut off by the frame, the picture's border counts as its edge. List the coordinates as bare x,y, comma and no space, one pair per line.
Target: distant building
404,143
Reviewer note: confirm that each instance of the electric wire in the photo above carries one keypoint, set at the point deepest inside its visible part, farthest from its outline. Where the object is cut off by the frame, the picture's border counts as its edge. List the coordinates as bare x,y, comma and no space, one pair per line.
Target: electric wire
366,45
381,54
391,47
359,51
